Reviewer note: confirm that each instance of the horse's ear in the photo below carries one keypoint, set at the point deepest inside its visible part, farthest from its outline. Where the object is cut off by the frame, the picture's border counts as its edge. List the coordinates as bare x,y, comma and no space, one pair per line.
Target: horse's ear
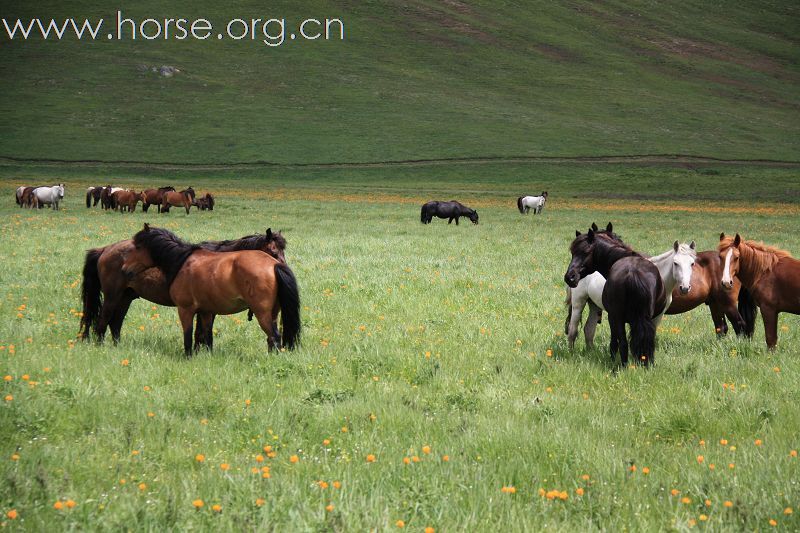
591,235
676,246
692,245
577,233
609,227
721,236
269,233
737,240
594,227
146,227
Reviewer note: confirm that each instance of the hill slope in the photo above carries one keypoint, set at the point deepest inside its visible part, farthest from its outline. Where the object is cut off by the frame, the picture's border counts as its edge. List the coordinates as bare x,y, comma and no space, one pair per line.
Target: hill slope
422,80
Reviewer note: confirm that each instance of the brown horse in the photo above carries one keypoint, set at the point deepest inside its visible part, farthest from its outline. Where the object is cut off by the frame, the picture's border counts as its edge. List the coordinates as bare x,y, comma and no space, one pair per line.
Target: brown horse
205,202
772,275
154,196
184,199
736,304
106,199
107,293
26,197
204,283
125,200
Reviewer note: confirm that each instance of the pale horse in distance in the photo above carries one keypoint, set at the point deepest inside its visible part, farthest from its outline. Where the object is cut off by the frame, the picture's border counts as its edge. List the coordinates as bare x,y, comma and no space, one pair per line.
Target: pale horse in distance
526,203
48,196
675,267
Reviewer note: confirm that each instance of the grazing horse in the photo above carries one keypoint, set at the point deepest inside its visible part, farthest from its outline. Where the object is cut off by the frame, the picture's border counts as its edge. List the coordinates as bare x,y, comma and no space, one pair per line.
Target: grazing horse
204,283
18,195
154,196
184,198
26,199
634,292
451,210
93,193
674,265
526,203
48,196
205,202
107,293
125,200
772,276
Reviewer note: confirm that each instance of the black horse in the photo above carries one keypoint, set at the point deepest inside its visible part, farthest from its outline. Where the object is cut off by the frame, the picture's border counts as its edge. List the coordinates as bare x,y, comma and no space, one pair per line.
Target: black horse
450,210
634,292
93,193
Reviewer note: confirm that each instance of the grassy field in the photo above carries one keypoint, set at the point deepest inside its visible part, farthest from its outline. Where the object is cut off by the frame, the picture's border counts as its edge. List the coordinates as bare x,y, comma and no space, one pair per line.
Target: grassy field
438,351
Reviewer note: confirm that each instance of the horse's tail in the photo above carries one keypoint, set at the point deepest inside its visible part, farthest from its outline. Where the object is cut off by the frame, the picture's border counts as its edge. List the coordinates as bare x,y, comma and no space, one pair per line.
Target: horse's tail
748,310
519,205
289,298
640,305
89,198
90,293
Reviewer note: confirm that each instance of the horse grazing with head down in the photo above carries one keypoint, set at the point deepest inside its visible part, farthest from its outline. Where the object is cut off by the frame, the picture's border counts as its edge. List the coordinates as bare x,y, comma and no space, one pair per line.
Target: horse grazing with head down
204,283
772,276
205,202
451,210
184,199
125,200
107,293
633,294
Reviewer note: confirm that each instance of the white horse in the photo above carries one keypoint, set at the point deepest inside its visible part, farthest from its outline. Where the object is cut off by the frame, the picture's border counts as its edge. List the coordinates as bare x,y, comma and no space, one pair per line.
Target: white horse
20,190
675,267
526,203
48,195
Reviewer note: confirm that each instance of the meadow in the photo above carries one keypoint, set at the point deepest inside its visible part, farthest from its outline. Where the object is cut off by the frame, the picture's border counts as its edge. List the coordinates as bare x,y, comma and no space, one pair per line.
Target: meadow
433,387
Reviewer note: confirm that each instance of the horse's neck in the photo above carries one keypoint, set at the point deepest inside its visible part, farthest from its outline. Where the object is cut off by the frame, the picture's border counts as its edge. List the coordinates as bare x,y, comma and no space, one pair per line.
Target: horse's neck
606,258
663,263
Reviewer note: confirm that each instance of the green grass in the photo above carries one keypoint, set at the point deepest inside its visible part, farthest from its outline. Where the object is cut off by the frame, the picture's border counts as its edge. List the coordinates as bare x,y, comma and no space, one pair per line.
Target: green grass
380,291
414,80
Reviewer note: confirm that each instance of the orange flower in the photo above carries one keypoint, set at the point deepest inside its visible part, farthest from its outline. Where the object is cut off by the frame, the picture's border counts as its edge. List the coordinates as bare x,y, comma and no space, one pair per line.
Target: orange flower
509,490
686,500
294,459
758,442
150,414
225,466
674,492
337,485
585,477
329,507
217,508
267,448
406,460
632,468
370,458
322,484
344,429
58,506
445,458
793,453
728,503
731,466
400,524
426,449
12,514
708,503
429,529
198,503
8,378
125,362
247,402
415,459
700,458
645,470
259,458
549,353
724,442
772,522
788,511
70,503
579,491
326,442
9,398
142,486
199,457
702,442
703,517
260,501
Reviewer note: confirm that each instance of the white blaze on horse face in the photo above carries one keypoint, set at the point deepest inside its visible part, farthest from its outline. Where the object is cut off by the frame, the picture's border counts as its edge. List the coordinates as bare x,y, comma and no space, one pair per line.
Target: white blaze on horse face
683,272
727,279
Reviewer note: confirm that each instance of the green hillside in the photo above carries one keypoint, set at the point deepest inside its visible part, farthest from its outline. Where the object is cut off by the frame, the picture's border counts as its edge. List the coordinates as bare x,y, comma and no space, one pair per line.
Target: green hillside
414,80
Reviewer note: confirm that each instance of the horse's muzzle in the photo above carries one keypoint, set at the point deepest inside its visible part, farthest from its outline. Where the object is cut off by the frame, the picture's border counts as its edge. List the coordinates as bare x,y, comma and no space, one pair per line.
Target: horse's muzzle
571,279
685,290
727,285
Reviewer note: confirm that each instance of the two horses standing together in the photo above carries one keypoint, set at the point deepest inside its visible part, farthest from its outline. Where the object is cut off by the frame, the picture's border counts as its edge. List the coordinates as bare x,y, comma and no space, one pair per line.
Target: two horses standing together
38,197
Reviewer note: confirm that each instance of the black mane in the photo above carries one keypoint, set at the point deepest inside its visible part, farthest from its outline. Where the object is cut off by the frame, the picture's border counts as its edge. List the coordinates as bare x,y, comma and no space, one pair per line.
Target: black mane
256,241
169,252
604,249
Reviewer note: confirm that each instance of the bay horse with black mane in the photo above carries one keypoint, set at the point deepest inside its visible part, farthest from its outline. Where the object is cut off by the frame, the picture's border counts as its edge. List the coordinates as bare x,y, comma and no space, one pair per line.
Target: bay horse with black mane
633,294
772,276
184,199
205,202
154,196
203,283
107,293
451,210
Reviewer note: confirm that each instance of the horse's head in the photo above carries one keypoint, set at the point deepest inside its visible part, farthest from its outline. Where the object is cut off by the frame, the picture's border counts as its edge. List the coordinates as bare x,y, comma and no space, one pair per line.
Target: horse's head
682,263
582,263
60,190
729,254
275,245
138,259
473,216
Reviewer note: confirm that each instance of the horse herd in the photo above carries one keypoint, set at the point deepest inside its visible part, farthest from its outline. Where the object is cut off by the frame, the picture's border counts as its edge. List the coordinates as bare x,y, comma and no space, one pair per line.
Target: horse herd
734,281
453,210
116,198
163,198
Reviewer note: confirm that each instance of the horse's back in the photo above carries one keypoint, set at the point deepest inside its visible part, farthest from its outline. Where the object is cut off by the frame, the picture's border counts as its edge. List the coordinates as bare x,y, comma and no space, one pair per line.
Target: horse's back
636,279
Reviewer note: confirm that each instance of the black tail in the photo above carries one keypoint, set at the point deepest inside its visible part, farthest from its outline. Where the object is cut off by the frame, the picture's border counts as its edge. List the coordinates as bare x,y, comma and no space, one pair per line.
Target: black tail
289,298
90,293
89,198
519,205
748,310
640,309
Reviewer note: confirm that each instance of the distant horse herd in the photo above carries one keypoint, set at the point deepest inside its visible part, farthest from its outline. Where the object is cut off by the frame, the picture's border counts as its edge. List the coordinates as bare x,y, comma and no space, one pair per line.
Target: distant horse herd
117,198
203,280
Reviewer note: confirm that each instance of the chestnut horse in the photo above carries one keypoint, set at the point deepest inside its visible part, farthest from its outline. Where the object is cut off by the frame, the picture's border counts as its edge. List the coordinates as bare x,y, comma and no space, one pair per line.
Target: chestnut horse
154,196
772,275
185,198
107,293
204,283
125,200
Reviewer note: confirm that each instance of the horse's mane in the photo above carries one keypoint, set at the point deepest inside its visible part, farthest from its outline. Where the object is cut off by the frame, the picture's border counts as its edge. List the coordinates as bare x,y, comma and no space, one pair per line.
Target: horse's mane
759,257
250,242
168,251
609,251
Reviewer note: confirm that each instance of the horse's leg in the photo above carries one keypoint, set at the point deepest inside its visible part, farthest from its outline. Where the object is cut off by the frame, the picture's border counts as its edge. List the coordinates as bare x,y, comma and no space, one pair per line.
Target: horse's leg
576,313
729,309
266,320
107,312
456,221
186,315
188,206
210,332
591,324
770,316
204,331
119,314
718,317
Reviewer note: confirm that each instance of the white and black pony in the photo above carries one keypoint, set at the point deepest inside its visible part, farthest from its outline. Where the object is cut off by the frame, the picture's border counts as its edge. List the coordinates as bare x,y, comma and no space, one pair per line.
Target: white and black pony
451,210
526,203
634,292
